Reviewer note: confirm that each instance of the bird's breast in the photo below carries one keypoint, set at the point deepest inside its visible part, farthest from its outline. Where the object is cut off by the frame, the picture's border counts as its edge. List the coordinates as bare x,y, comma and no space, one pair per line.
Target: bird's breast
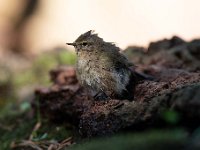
87,72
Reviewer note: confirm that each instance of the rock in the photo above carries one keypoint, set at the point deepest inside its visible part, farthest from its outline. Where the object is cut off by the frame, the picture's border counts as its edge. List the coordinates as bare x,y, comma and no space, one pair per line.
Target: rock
108,117
194,48
165,44
172,53
63,75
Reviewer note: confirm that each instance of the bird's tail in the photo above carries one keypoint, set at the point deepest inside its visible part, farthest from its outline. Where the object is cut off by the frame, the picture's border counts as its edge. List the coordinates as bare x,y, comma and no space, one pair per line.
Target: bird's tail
142,76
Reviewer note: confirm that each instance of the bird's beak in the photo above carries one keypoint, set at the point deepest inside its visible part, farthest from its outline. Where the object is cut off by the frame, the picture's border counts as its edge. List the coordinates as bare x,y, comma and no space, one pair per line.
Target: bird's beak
73,44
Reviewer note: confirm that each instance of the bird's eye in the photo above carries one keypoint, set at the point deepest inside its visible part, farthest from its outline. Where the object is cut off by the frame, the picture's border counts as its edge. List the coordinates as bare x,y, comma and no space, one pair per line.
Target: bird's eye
84,44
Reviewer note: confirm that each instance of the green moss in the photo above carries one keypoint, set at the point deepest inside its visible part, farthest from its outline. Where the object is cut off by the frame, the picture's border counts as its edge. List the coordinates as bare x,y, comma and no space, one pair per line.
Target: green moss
14,128
51,131
17,125
170,116
154,140
66,58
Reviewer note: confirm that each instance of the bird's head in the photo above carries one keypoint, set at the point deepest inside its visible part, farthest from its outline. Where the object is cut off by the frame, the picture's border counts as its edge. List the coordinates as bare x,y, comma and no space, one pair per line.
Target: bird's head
87,42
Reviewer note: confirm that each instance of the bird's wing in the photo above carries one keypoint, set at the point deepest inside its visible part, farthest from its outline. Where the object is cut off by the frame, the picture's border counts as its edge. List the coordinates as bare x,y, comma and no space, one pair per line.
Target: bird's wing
115,56
121,60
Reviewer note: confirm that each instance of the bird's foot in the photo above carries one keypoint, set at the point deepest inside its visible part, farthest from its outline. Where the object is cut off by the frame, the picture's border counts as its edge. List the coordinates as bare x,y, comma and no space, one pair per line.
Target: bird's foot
101,96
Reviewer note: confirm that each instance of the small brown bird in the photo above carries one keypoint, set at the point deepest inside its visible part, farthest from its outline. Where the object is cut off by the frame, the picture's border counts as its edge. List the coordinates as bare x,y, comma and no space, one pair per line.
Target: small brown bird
103,69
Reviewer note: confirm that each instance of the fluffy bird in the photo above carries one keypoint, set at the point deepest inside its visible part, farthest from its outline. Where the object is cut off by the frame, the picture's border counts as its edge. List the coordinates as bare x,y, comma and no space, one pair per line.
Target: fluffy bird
102,69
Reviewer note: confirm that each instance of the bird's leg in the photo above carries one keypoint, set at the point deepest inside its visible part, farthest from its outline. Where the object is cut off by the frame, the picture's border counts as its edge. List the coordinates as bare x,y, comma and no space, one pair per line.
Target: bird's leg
101,96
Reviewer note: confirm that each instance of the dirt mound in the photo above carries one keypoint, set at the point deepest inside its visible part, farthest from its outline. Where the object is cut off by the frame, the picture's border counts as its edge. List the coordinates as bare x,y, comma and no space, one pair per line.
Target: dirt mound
175,65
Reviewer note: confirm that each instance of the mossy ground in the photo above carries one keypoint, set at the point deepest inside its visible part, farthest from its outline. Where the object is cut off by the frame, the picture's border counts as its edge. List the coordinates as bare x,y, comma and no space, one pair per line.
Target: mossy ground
150,140
16,117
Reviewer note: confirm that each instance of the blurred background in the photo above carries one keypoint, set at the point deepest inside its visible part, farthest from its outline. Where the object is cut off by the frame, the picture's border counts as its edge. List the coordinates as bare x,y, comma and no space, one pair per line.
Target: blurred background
30,28
33,34
35,25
